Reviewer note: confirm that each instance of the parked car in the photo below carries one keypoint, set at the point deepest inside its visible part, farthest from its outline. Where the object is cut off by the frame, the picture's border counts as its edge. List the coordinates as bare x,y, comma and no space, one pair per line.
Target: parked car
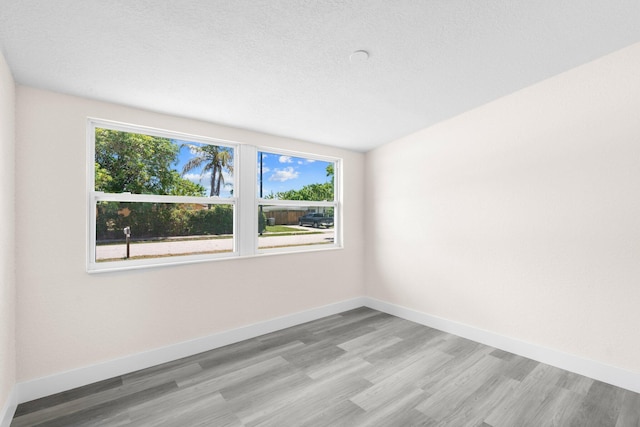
316,220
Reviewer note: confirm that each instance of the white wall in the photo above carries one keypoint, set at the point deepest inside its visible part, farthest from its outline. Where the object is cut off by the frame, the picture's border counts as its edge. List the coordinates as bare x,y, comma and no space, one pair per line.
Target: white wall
7,217
68,319
521,217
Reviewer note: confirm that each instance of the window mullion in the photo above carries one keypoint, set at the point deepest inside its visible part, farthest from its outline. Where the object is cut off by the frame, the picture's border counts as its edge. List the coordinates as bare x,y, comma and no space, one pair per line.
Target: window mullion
155,198
247,222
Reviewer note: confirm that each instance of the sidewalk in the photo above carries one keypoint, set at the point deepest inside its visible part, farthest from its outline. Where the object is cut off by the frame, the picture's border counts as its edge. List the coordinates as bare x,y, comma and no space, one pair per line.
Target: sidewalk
215,244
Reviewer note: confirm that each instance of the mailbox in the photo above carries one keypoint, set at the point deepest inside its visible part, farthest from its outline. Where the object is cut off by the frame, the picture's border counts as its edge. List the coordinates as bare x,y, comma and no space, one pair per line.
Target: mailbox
127,234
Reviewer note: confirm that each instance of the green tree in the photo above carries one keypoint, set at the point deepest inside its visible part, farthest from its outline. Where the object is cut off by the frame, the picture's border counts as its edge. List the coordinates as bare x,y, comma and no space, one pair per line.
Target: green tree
210,158
330,171
184,187
313,192
130,162
139,164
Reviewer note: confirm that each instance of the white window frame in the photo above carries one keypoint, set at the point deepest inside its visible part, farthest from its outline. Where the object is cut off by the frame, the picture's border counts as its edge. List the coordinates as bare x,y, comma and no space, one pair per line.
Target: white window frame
245,200
98,196
335,203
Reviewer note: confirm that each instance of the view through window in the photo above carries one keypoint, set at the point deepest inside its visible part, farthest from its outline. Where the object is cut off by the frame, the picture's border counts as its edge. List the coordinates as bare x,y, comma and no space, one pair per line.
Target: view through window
160,197
297,201
153,197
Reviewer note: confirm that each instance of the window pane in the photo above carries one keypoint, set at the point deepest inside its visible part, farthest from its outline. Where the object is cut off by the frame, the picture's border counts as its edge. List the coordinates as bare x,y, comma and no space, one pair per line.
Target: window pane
144,164
294,226
294,178
161,229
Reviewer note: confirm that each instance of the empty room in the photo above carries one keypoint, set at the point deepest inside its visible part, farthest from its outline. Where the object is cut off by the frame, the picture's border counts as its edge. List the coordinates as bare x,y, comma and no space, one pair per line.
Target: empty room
320,213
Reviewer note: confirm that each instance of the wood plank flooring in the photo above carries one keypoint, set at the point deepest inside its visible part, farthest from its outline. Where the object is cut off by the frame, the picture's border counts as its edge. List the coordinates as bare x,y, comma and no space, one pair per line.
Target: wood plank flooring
358,368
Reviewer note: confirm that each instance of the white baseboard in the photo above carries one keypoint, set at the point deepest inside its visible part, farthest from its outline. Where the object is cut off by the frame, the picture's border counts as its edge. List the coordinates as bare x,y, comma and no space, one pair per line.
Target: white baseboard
589,368
6,413
63,381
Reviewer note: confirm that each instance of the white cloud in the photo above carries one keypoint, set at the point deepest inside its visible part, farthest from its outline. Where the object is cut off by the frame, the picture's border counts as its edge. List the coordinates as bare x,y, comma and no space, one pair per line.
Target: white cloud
228,178
205,181
283,175
196,177
285,159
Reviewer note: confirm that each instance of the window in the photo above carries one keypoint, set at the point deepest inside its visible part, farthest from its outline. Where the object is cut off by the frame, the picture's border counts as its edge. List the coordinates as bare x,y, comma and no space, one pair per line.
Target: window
159,197
297,201
156,195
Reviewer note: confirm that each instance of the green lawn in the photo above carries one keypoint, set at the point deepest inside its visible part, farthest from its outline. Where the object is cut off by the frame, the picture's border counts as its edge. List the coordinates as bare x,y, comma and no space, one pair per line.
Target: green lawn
280,229
283,230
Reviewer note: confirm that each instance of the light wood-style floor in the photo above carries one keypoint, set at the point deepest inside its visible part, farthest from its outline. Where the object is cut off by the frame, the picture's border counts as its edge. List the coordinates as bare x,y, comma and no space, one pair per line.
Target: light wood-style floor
358,368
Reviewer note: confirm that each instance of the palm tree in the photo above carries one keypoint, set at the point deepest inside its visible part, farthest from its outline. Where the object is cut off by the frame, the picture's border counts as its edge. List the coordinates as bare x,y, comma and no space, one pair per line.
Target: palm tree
210,158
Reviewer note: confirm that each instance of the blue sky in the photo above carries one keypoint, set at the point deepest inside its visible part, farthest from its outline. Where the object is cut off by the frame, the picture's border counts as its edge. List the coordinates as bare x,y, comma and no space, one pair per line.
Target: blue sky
280,172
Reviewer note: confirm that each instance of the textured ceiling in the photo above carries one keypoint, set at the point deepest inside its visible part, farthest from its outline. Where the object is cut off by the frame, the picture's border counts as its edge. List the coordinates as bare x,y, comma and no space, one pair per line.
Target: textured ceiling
283,67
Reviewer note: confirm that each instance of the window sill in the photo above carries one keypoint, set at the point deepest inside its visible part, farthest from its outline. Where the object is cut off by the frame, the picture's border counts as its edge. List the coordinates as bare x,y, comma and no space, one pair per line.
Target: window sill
118,266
